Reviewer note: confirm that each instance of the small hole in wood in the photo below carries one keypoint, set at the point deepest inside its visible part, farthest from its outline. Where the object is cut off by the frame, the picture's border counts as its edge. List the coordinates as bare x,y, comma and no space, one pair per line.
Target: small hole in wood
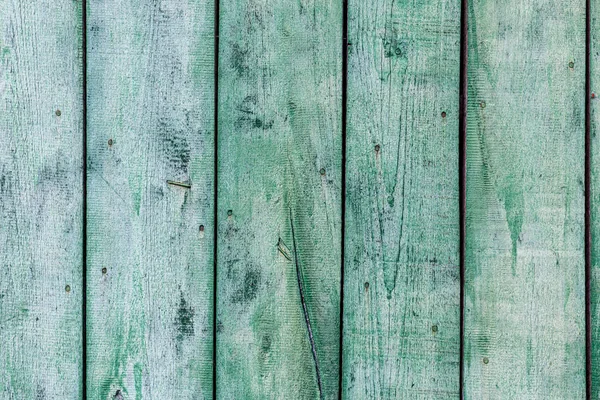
443,114
322,171
110,142
104,270
201,228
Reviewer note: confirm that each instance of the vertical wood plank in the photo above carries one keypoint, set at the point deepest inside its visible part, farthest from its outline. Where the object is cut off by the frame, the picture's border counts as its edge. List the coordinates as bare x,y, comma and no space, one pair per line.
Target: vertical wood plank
150,198
594,14
524,290
41,199
402,286
279,204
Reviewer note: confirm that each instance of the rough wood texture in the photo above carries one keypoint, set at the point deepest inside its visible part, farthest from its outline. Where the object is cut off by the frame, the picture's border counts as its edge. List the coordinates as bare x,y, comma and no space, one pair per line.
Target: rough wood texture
524,292
41,195
402,287
279,178
150,242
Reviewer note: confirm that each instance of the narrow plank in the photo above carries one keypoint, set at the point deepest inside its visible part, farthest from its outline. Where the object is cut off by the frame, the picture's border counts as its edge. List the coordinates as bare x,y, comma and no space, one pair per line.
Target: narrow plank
402,276
594,13
150,198
524,282
279,199
41,199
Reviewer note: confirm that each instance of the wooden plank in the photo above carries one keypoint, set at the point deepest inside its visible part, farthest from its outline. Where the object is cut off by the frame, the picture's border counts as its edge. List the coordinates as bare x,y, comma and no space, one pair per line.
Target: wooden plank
41,199
150,239
525,286
594,13
279,204
402,277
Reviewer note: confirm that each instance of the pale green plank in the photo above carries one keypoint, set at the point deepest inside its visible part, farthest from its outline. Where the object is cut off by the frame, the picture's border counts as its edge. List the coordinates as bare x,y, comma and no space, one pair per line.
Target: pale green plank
279,205
524,289
402,286
41,199
595,193
150,243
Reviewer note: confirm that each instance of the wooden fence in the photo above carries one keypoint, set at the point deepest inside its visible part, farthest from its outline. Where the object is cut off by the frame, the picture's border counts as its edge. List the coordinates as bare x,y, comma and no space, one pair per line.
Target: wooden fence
299,199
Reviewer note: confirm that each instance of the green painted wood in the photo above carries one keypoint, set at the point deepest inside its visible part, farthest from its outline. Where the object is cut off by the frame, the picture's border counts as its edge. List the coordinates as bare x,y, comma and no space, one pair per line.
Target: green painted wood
150,241
595,193
524,282
279,199
402,286
41,199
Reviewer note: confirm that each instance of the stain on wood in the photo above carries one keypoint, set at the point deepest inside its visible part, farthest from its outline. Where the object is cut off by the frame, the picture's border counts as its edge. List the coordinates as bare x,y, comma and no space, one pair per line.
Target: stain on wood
524,283
41,199
279,241
151,98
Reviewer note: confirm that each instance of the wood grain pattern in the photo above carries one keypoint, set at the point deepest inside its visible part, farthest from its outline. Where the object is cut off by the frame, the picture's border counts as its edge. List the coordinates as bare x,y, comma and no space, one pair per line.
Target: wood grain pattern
402,288
279,199
150,241
41,199
524,291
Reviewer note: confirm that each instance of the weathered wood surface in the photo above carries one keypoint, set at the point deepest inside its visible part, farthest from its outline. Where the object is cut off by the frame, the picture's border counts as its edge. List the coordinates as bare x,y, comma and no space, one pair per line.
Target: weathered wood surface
524,290
279,204
402,286
150,242
41,199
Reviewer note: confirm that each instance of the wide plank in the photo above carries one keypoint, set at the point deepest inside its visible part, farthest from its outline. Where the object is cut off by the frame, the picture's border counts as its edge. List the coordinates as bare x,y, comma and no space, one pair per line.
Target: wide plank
279,199
150,199
525,270
41,199
402,276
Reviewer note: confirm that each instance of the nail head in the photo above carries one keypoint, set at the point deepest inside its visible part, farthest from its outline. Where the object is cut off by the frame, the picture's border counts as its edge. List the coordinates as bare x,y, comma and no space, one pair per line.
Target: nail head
486,360
58,113
110,142
67,288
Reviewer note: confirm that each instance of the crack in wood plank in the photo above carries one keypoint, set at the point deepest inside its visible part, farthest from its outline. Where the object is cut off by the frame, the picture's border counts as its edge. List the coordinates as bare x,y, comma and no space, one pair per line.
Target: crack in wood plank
305,309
